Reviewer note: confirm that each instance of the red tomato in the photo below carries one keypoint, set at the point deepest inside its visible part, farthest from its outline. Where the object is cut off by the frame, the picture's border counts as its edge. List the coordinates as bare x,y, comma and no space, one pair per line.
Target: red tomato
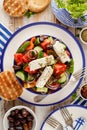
59,68
45,54
45,43
27,69
25,59
18,58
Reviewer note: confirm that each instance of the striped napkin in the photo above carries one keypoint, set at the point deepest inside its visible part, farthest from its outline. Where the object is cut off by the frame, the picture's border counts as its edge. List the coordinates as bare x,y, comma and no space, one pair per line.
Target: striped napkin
5,34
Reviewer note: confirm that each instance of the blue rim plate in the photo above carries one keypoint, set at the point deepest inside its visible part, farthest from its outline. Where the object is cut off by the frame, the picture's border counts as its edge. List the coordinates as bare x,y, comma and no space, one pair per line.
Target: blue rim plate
55,30
77,112
64,17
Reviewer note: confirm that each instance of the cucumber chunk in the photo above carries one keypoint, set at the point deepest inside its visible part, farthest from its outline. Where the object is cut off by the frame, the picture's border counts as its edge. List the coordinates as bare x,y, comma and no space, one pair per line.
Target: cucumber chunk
21,75
63,78
44,89
38,49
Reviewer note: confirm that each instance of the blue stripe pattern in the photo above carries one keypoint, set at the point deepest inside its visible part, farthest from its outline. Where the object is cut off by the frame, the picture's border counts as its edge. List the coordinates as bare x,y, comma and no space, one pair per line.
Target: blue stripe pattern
79,123
64,16
3,39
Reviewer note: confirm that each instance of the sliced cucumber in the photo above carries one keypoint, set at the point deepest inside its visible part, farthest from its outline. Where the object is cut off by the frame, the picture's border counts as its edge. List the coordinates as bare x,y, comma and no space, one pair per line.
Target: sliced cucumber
21,75
44,89
63,78
23,47
51,39
30,78
38,49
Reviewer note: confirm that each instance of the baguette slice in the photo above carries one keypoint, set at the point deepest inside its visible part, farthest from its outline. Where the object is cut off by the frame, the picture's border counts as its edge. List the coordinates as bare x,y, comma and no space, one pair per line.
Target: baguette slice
10,89
38,5
15,8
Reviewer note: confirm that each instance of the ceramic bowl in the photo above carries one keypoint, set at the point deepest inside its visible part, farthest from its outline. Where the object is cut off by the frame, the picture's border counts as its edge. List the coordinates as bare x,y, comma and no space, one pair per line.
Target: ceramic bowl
6,122
83,34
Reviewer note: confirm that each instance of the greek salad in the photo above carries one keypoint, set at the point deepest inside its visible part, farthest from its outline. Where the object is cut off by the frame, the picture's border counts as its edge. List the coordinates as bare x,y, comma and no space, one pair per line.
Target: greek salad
43,64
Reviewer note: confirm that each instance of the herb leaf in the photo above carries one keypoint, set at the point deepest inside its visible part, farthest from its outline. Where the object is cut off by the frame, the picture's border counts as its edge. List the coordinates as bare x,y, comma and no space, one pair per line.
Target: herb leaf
28,14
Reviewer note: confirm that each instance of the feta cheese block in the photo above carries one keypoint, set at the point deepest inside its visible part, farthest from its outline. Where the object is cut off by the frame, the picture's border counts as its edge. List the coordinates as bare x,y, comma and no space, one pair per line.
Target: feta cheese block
42,62
45,76
60,51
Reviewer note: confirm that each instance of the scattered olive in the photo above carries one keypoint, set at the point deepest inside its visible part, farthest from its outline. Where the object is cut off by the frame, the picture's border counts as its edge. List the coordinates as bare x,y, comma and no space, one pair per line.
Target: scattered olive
24,113
11,119
12,113
20,119
11,128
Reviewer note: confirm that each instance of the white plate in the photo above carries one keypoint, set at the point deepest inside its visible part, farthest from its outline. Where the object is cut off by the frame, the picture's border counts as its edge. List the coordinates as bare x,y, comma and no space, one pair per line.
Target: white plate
75,111
54,30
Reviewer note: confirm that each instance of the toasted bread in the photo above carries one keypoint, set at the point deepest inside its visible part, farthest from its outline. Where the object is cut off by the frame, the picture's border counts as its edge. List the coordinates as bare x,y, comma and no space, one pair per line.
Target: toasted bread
10,88
16,8
38,5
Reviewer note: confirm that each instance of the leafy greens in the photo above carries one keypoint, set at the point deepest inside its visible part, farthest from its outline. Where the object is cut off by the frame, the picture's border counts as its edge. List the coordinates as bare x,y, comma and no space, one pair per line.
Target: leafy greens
77,8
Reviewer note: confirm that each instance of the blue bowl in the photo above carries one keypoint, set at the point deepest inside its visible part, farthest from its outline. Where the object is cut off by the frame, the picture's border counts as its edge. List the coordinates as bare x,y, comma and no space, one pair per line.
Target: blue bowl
64,17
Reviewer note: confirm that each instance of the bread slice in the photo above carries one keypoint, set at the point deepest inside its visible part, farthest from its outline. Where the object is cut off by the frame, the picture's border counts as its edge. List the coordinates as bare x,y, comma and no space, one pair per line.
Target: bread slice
10,88
16,8
38,5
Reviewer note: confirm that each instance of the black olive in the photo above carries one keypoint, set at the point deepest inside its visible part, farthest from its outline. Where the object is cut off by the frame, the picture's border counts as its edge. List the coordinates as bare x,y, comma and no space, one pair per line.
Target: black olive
13,113
24,113
17,122
11,119
23,121
19,116
30,124
16,111
11,124
30,118
11,128
19,127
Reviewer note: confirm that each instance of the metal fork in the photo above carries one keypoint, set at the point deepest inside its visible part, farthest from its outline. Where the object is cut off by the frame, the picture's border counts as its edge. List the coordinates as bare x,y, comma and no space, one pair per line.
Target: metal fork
67,117
80,73
54,123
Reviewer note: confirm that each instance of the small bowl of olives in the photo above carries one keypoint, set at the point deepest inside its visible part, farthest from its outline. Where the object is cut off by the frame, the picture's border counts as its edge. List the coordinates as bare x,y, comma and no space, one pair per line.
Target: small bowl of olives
20,118
83,92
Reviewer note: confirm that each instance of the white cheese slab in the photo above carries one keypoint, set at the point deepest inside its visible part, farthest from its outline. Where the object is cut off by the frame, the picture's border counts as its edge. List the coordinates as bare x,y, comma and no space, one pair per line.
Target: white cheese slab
60,51
48,71
42,62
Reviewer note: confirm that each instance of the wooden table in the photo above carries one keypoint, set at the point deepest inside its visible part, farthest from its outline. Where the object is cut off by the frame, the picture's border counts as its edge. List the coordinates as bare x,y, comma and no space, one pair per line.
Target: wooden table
13,24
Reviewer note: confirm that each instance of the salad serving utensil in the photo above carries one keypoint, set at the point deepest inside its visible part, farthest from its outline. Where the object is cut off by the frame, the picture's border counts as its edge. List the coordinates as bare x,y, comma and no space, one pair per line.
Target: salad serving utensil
54,123
67,117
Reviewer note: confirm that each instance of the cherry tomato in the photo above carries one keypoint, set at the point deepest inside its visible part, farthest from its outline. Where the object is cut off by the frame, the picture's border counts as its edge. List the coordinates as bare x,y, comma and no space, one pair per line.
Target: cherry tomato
27,69
45,54
45,43
18,58
25,58
59,68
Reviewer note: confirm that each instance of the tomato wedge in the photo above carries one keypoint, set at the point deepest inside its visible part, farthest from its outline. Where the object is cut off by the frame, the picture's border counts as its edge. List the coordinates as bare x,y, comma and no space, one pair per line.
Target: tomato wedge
45,43
18,58
59,68
27,69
